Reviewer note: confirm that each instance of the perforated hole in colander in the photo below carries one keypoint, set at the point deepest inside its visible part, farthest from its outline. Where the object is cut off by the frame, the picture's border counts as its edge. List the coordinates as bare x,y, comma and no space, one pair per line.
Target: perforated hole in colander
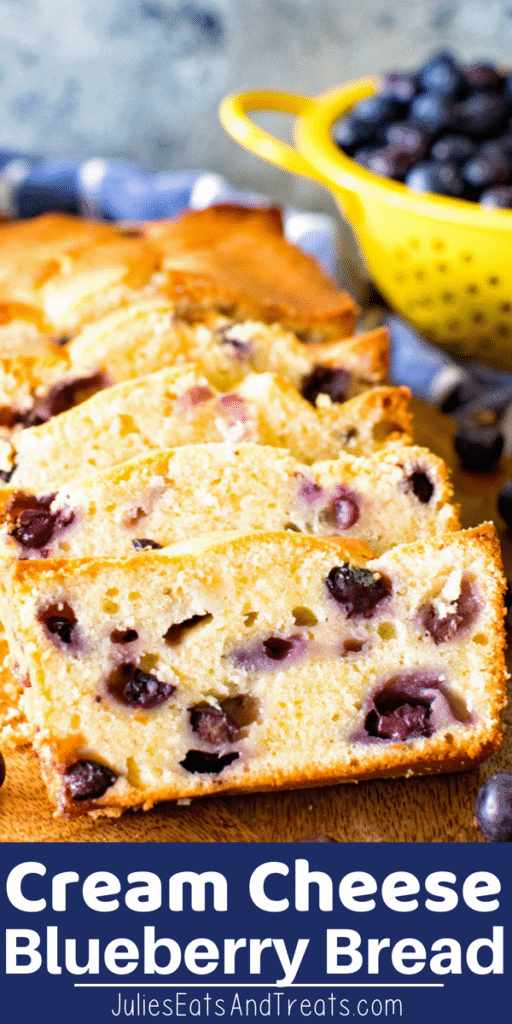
447,296
472,288
505,307
442,267
433,332
400,278
438,245
485,344
454,325
493,281
503,330
466,257
478,318
419,274
401,254
414,243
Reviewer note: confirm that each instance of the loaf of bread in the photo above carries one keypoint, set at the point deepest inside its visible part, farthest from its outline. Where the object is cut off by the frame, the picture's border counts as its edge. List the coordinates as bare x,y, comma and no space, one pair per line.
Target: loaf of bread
237,662
225,566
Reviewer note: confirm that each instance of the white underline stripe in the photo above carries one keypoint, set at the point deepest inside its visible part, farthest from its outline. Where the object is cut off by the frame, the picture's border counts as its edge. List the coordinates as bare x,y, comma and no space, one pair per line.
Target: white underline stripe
258,984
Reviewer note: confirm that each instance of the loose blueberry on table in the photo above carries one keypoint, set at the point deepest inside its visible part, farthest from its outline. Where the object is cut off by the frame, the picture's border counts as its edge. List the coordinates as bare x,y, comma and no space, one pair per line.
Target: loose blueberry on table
493,810
445,128
478,447
504,503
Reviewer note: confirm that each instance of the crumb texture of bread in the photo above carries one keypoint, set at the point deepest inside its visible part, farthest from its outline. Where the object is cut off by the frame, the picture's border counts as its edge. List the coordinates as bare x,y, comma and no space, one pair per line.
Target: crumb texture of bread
387,499
148,335
257,661
177,406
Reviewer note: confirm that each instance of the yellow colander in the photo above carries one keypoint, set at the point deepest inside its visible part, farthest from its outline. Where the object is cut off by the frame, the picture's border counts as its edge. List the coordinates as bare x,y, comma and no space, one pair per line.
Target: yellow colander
444,264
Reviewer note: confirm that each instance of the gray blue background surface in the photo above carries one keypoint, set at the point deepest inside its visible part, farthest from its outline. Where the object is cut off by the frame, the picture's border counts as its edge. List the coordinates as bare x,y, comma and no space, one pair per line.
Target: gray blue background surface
142,79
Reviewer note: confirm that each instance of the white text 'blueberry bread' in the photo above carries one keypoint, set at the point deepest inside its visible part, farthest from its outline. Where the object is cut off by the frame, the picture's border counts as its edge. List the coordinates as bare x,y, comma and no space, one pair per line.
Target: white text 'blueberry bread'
396,496
147,335
257,661
177,406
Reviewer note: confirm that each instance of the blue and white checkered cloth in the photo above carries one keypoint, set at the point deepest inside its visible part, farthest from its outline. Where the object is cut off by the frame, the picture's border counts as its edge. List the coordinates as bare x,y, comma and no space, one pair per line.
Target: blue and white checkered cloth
120,190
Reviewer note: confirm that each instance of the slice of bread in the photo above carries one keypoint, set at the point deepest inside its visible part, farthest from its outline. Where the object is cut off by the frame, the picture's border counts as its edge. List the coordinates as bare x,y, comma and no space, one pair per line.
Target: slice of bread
41,378
227,258
396,496
178,406
242,662
147,335
235,259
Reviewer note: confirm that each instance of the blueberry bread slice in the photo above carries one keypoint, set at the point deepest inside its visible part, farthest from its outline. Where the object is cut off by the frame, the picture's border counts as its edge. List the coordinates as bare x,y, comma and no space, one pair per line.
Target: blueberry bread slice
42,378
229,259
257,661
371,421
147,335
178,406
392,497
236,260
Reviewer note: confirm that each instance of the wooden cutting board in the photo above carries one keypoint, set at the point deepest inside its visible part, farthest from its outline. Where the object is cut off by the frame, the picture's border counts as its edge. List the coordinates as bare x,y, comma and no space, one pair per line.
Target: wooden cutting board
437,809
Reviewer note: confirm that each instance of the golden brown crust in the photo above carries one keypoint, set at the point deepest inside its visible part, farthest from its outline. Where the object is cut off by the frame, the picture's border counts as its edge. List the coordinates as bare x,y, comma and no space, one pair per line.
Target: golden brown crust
226,258
71,269
184,553
237,259
365,354
386,410
19,311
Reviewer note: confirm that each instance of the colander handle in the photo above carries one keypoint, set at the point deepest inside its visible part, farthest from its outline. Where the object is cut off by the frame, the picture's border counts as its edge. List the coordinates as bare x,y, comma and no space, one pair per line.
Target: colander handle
233,115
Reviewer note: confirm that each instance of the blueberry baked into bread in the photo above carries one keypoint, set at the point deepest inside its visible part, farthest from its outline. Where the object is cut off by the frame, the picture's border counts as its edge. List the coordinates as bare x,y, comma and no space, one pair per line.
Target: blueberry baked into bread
393,497
237,662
